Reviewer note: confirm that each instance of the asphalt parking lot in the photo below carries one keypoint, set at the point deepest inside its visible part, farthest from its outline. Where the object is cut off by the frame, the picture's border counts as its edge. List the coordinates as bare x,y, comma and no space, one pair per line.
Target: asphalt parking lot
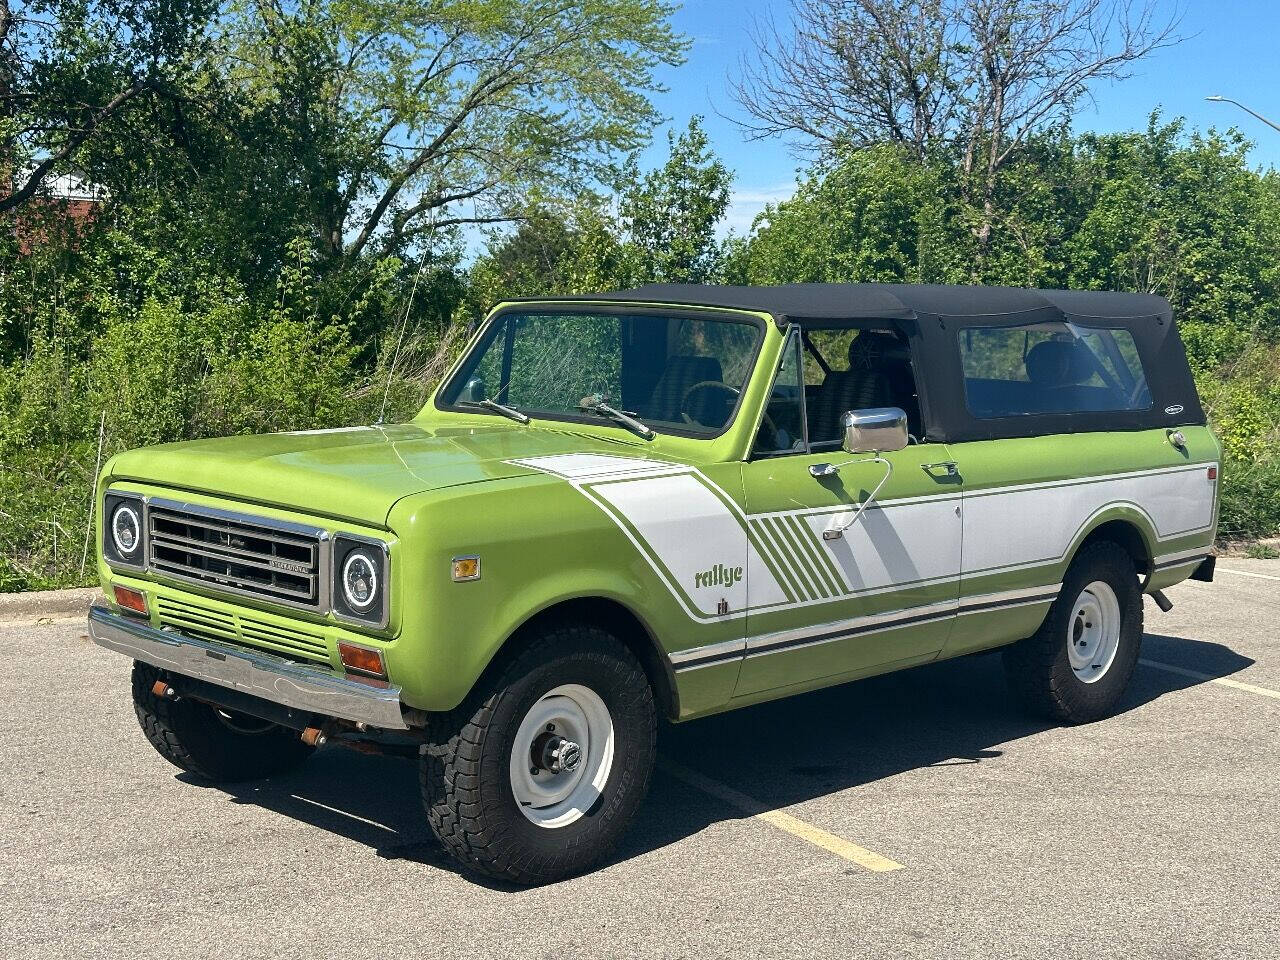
1152,834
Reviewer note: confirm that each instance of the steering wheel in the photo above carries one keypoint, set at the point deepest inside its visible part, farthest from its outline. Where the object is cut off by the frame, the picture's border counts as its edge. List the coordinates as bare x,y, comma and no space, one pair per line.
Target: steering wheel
699,387
767,421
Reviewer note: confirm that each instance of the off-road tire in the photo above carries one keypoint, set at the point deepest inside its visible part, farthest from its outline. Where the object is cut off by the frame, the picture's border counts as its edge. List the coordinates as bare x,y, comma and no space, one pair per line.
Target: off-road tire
1038,668
465,773
192,736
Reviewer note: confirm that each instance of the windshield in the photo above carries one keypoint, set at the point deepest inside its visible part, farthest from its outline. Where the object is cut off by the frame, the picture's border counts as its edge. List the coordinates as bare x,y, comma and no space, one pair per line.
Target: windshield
676,374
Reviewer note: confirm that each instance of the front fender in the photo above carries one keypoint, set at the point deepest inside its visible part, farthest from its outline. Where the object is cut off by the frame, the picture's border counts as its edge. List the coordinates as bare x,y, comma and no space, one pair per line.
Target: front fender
540,543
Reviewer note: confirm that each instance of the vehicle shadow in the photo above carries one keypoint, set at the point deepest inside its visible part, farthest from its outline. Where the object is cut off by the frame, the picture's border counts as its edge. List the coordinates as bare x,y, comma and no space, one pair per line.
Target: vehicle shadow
780,753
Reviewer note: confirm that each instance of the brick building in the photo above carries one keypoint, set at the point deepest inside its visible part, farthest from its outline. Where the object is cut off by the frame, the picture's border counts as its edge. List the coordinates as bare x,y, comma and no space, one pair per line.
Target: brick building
66,202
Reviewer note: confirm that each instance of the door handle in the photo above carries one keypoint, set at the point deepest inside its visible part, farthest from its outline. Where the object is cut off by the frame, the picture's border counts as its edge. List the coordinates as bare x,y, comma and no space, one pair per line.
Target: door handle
941,469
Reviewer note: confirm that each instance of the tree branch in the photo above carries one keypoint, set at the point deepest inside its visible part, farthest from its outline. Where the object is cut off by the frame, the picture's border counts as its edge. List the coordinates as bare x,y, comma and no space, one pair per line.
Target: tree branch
72,144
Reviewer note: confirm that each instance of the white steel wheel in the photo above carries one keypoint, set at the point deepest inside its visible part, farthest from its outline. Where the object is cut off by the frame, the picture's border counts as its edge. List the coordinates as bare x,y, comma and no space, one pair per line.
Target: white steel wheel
1093,632
562,756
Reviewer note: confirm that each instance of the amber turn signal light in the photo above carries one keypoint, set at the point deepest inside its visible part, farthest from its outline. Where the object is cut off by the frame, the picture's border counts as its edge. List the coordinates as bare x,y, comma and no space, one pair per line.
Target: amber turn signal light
132,600
362,659
466,568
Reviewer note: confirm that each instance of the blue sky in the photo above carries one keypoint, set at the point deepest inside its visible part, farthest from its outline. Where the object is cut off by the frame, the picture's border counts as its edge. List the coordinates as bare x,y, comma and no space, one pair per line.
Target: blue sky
1231,48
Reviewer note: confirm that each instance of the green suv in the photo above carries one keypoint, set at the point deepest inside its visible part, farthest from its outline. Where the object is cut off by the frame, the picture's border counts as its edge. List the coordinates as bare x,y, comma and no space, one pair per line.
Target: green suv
664,502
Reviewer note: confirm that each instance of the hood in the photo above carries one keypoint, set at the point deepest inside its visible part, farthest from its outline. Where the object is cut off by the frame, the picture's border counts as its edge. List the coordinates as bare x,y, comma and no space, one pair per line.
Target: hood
352,473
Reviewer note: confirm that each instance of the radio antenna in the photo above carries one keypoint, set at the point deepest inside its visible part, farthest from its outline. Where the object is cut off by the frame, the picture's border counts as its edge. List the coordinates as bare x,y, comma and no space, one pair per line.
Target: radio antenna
404,320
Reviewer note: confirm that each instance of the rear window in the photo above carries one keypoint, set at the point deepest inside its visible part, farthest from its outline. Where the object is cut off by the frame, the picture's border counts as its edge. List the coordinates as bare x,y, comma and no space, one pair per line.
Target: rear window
1051,367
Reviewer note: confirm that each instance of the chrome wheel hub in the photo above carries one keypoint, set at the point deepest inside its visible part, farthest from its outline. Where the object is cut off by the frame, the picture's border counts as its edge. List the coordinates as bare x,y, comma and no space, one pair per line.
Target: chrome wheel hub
1093,632
562,756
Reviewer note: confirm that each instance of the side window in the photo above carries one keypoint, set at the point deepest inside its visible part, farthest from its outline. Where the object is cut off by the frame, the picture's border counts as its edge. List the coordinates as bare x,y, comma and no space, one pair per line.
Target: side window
1051,367
782,429
853,369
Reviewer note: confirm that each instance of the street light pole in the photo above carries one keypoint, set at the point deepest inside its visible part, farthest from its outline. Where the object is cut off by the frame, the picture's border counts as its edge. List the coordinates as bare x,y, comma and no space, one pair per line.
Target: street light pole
1217,99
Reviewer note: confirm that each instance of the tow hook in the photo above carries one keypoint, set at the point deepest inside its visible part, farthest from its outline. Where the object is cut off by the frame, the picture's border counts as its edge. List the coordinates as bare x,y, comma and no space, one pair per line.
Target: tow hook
1163,602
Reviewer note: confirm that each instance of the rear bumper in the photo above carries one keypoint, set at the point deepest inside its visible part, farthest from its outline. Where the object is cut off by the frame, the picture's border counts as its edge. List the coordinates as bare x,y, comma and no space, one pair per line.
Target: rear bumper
294,685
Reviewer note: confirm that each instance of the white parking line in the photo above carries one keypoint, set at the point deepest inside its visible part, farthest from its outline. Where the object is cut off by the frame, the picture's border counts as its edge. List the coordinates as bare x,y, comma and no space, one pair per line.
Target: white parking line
1224,681
868,859
1248,573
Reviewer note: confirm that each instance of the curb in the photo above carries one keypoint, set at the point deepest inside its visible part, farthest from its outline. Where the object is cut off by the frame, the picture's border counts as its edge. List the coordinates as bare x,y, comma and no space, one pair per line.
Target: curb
46,604
1240,548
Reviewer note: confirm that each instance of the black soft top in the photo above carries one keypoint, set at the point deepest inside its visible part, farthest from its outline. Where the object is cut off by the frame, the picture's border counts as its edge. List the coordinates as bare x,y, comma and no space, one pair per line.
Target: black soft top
932,317
822,302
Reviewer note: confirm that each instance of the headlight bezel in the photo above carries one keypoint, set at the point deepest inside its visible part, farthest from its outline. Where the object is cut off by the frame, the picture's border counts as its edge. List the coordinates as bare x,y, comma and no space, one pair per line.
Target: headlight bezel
112,502
345,548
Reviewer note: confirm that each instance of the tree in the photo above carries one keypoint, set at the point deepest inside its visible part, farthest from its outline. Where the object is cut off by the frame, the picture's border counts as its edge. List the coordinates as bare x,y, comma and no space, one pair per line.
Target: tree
670,214
1158,211
854,74
70,70
1183,216
862,219
975,77
537,258
405,117
664,230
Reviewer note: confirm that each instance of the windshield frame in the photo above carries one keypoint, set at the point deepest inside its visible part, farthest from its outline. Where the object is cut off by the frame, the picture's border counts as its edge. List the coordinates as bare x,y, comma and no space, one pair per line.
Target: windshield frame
491,327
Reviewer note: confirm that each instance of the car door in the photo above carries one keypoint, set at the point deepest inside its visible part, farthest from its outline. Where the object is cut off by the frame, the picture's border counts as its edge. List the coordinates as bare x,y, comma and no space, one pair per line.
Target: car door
828,596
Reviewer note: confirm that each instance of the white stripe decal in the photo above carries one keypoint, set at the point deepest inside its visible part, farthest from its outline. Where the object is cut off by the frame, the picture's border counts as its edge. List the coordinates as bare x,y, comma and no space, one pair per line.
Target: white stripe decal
588,466
683,525
892,547
705,549
1038,524
956,495
1199,469
768,542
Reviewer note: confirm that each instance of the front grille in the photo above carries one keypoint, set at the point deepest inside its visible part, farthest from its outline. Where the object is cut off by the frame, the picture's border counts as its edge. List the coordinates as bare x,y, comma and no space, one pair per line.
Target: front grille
248,555
205,623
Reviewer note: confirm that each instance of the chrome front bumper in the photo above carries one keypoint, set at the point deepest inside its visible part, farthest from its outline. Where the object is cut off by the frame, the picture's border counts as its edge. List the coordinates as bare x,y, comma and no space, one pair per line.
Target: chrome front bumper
294,685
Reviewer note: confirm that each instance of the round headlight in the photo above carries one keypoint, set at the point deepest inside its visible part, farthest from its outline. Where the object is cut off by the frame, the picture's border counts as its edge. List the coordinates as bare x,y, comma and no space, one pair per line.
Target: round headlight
126,530
360,580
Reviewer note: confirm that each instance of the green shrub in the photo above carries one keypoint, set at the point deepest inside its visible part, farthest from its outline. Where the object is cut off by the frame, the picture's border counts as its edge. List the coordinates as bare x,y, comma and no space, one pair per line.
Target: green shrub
152,365
1250,500
1242,399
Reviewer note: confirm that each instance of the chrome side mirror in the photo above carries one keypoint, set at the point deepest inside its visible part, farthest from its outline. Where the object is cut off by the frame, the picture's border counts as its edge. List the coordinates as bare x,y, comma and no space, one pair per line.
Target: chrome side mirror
875,430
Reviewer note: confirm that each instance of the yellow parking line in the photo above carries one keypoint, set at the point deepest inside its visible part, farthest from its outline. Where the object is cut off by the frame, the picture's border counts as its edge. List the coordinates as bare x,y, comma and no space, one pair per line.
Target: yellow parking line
1248,573
1224,681
868,859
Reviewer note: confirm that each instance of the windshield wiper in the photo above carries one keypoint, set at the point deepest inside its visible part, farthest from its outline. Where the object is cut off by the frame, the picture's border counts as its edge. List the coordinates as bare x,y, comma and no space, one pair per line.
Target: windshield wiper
503,409
596,404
